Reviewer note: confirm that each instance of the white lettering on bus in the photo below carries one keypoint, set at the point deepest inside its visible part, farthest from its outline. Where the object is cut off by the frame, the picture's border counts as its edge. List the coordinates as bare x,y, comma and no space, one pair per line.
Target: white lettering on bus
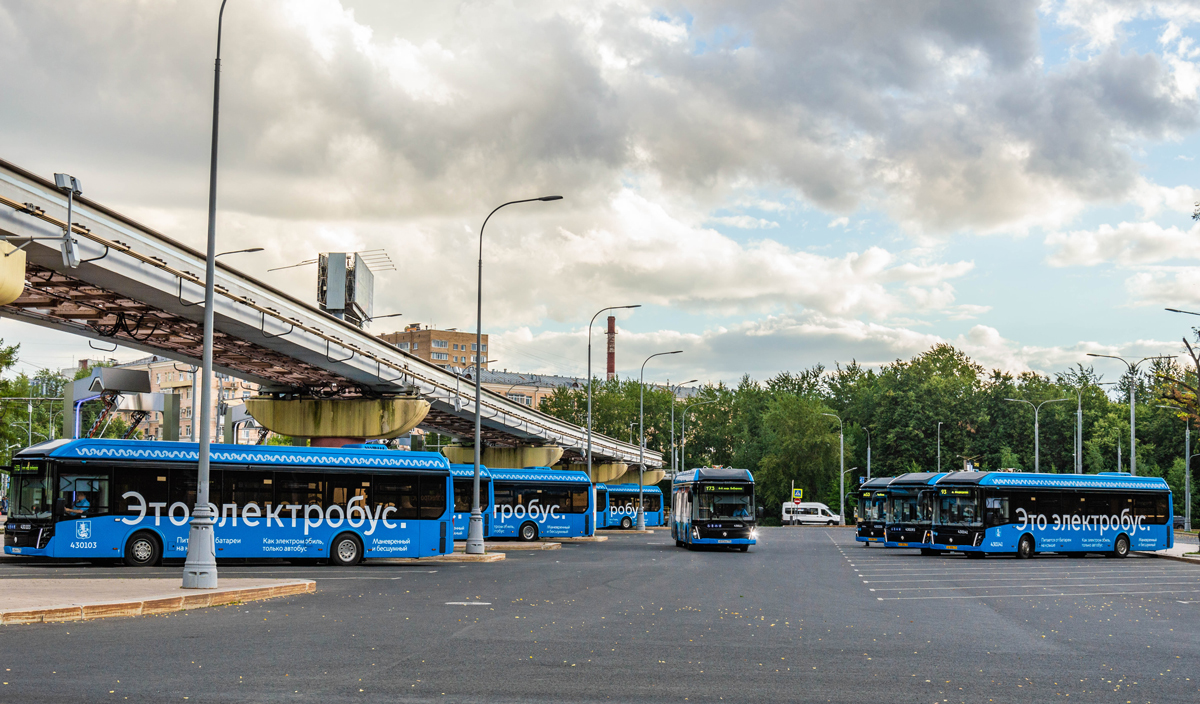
171,513
158,507
273,514
1126,521
228,510
247,515
141,507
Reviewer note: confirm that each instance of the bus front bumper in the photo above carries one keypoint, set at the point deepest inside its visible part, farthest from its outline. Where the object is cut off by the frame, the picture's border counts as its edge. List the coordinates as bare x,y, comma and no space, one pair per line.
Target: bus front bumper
27,552
957,548
724,541
914,544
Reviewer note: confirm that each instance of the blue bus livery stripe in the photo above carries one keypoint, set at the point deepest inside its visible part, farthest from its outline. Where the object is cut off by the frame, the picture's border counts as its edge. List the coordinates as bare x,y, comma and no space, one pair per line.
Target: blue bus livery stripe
468,470
632,489
1077,482
539,475
283,457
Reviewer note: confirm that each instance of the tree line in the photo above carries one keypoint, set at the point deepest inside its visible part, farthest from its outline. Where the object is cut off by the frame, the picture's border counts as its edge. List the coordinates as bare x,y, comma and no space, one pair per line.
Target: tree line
785,429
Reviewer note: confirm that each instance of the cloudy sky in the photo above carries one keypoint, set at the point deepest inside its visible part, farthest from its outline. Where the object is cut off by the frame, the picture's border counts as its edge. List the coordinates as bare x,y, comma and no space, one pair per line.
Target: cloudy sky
777,183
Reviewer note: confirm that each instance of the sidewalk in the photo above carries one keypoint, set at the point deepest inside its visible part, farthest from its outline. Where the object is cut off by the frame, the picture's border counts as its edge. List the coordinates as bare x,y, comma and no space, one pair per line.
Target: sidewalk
1179,552
55,600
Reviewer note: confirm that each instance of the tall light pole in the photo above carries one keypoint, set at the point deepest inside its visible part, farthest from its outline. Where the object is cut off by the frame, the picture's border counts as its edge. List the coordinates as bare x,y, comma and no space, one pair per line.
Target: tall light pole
1132,366
842,450
1036,451
674,390
683,431
641,522
589,367
1079,432
939,445
868,432
200,567
475,526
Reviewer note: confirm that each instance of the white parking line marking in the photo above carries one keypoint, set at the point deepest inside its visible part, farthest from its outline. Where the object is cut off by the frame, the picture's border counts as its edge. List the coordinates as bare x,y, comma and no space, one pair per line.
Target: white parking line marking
468,603
1030,596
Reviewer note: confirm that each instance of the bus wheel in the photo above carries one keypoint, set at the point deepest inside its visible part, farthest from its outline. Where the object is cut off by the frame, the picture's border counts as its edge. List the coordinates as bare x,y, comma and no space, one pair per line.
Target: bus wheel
529,532
976,555
1121,547
678,543
346,550
627,523
142,550
928,551
1025,547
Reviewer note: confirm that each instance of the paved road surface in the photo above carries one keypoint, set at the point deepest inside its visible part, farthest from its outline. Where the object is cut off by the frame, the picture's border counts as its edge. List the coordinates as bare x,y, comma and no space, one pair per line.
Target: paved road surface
808,615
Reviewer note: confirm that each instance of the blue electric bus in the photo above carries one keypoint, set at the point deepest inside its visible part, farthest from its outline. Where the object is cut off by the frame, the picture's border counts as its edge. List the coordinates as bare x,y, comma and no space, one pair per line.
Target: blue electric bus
713,506
872,511
984,513
623,505
909,520
96,499
464,494
539,502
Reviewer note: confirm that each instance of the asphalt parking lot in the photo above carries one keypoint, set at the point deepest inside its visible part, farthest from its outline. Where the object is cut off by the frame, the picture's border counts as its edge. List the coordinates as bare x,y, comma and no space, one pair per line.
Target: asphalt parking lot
807,615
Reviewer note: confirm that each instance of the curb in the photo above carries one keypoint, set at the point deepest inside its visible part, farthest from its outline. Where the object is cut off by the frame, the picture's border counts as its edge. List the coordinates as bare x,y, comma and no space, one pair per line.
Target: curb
631,531
455,557
580,539
513,546
152,607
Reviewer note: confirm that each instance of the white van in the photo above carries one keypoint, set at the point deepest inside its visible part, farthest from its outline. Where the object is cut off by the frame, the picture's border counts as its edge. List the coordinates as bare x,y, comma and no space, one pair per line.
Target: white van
808,513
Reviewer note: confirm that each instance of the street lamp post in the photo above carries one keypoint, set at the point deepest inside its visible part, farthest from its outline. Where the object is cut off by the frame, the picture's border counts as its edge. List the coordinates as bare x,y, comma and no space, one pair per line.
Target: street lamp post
475,526
868,432
641,518
1036,450
589,372
1132,414
683,432
1187,468
200,567
939,445
674,390
842,478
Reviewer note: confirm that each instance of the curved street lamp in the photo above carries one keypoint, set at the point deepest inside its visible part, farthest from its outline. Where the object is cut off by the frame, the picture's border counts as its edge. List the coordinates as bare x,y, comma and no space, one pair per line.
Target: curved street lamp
842,478
589,393
683,431
641,522
1036,451
475,527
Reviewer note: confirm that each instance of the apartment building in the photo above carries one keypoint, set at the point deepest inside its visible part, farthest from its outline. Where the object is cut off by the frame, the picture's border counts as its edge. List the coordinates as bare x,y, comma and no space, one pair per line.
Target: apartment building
448,349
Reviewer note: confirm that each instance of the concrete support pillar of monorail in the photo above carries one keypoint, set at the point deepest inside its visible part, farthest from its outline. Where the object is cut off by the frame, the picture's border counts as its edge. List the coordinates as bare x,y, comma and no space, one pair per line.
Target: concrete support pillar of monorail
647,478
338,421
12,273
605,473
516,457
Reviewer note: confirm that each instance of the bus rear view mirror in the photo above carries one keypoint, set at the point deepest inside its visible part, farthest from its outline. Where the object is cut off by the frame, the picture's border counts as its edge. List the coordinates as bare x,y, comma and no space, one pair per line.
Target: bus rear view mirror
60,506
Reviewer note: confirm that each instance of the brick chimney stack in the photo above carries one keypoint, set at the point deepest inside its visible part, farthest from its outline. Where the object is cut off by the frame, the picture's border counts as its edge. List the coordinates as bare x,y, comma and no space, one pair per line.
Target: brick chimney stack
612,346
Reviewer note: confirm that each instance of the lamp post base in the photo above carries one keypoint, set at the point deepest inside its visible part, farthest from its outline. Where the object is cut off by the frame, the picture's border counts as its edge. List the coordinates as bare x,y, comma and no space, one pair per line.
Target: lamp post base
200,568
641,523
475,534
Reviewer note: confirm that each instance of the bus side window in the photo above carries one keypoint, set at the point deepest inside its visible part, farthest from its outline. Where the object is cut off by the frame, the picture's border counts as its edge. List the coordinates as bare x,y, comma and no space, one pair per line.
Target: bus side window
398,492
147,482
433,496
87,492
299,489
181,487
344,487
579,499
996,510
246,488
1154,508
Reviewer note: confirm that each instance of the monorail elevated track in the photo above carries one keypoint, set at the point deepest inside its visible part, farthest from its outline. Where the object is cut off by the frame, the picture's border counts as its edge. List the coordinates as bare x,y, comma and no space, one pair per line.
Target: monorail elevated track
138,288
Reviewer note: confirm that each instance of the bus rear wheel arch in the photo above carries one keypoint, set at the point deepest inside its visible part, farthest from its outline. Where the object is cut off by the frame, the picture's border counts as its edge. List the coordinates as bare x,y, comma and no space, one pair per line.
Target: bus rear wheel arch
346,550
143,549
1121,546
1026,547
528,532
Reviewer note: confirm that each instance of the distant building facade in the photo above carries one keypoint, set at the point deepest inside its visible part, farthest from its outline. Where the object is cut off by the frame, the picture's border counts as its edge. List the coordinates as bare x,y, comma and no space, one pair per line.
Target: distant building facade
446,348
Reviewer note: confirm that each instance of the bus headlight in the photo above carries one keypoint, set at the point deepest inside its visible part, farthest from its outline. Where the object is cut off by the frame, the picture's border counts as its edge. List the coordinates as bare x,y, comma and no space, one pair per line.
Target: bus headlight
695,532
754,534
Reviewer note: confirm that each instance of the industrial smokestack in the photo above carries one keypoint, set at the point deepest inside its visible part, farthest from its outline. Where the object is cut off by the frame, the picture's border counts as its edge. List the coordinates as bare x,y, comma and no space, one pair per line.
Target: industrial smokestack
612,346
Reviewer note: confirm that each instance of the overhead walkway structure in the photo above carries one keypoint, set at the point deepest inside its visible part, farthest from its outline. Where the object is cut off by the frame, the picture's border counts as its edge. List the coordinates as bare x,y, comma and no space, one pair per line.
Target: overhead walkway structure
138,288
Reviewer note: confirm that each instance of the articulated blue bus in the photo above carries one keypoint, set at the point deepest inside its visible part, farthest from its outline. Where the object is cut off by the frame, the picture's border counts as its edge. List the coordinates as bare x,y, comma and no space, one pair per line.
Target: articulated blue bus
872,511
464,494
623,505
910,511
98,499
985,513
539,502
713,506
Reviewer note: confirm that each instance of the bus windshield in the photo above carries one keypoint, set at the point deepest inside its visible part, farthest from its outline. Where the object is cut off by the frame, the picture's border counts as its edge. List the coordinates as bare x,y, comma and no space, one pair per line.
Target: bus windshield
725,501
31,489
903,509
959,507
873,508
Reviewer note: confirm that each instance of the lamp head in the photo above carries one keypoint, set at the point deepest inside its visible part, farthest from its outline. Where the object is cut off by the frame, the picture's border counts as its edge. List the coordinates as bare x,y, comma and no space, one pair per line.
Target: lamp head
546,198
